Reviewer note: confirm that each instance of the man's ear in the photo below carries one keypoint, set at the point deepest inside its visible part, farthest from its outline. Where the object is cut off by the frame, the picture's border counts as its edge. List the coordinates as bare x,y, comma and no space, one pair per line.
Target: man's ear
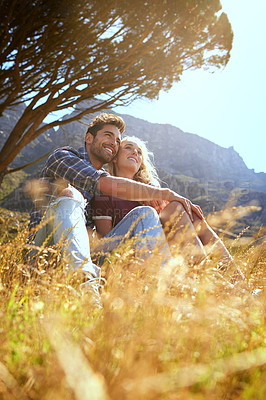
89,138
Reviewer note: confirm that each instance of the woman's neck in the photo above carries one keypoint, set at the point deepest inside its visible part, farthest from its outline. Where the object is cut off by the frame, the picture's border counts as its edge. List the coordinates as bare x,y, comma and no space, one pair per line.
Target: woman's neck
124,174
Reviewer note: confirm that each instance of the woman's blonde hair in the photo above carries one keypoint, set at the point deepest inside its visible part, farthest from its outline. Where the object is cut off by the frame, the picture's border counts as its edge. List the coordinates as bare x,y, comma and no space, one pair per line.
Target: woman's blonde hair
147,172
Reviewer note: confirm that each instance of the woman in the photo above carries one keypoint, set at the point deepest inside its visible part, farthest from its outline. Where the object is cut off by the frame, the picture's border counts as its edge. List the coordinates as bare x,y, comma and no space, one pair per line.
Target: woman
193,235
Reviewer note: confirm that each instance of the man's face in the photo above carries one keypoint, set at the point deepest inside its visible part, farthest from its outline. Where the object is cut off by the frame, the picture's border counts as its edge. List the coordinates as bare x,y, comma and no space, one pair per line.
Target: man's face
104,146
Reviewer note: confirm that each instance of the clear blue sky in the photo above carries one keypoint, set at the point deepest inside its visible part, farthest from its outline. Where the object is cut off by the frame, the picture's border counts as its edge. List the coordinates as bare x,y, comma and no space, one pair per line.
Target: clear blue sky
227,107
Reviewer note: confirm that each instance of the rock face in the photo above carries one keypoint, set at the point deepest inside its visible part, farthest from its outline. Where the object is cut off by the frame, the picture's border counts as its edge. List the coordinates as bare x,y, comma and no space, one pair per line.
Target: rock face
175,151
191,165
178,152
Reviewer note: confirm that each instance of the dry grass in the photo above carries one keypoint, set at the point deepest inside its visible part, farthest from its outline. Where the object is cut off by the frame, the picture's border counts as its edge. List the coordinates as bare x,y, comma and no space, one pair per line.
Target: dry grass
177,333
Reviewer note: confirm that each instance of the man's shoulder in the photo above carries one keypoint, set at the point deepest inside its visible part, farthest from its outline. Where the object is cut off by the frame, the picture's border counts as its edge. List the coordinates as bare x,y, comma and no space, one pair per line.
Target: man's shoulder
62,156
69,149
65,153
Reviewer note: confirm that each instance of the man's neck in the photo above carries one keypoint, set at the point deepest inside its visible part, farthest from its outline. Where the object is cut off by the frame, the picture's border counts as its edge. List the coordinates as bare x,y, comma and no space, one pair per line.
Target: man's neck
95,162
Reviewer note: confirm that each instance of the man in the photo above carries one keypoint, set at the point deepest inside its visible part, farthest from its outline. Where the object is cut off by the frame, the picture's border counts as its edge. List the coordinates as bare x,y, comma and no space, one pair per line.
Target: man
71,178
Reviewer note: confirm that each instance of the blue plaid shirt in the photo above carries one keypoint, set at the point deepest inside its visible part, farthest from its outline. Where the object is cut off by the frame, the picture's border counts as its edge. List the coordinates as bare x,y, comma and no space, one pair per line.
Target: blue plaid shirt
73,167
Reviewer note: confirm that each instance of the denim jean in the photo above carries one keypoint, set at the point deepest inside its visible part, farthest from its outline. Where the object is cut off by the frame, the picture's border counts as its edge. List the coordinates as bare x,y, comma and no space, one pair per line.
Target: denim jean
65,221
142,224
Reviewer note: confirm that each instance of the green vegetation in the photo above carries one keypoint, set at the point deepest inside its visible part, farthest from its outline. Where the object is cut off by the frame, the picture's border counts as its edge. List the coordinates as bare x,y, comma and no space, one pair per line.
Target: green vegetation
10,182
178,333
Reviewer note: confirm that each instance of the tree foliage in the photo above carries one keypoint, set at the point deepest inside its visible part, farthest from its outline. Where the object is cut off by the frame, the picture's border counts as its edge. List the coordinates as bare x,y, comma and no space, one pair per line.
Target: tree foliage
55,54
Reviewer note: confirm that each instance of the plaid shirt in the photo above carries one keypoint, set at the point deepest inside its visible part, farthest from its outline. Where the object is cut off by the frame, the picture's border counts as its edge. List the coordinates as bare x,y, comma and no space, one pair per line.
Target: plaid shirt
70,166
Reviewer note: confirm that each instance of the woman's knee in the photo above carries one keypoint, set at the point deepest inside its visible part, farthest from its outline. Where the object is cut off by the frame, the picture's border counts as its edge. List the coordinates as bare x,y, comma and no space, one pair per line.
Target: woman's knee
172,211
147,213
143,210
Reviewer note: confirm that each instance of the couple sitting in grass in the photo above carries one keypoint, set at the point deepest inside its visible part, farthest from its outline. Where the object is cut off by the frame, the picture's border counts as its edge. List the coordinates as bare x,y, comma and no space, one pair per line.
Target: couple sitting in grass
126,202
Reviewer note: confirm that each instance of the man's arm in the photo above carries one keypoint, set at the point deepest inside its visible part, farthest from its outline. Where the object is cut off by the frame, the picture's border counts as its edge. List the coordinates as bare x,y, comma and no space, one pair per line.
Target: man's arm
67,164
131,190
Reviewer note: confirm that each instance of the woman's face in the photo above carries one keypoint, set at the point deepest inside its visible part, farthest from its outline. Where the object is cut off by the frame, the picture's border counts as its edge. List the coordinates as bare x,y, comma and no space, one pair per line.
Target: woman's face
129,158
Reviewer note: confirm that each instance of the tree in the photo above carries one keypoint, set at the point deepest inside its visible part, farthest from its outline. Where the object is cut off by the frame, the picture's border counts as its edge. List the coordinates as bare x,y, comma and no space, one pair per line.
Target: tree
57,53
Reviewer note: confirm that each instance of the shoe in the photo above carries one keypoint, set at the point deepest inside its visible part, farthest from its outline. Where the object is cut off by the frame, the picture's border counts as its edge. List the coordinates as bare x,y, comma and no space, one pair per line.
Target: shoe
91,287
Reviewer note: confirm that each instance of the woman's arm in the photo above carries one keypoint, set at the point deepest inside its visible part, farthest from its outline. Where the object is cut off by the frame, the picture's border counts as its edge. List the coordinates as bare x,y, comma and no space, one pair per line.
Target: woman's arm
102,214
103,226
132,190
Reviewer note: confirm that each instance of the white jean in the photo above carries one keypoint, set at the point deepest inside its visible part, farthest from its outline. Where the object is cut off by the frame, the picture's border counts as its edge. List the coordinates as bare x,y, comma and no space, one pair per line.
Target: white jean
65,221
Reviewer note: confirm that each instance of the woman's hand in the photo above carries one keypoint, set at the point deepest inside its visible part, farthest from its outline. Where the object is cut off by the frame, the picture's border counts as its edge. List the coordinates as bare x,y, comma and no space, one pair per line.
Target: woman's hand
197,210
187,204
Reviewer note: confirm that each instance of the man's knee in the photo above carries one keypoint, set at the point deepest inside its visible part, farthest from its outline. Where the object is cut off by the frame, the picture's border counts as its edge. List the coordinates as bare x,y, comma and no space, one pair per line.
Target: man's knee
67,192
71,193
70,205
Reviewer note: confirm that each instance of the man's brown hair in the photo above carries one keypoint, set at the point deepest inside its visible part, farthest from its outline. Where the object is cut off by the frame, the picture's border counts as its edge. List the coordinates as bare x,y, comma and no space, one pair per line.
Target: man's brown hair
104,119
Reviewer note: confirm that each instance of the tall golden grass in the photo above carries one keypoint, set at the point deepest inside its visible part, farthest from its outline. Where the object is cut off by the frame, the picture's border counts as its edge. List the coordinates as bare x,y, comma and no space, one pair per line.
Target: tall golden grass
181,332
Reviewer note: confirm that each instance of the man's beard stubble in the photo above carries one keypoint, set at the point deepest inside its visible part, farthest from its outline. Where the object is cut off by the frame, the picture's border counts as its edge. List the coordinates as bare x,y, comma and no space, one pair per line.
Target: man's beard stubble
100,153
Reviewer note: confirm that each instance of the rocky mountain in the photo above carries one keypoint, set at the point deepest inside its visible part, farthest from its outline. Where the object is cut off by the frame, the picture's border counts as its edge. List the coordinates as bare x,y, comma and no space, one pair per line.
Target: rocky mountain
178,152
193,166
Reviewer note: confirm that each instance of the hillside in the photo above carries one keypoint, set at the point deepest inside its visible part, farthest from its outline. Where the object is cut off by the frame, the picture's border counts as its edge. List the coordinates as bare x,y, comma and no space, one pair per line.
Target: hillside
193,166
